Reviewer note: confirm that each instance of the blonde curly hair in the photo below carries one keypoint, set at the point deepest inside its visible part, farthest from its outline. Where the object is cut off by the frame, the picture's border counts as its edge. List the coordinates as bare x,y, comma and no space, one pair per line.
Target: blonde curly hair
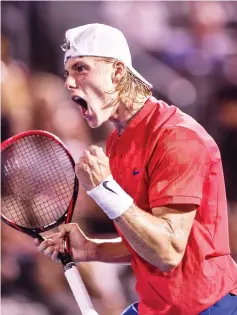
131,90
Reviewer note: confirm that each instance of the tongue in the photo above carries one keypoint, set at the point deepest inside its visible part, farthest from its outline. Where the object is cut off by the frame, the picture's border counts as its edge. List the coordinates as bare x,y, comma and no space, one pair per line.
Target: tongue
84,111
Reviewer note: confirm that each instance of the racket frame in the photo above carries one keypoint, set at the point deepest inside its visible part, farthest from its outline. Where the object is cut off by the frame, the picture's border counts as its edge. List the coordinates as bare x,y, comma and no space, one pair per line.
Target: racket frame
70,270
67,216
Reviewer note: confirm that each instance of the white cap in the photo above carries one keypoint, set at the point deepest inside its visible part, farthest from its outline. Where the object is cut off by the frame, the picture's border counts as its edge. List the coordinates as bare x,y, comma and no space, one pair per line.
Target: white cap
99,40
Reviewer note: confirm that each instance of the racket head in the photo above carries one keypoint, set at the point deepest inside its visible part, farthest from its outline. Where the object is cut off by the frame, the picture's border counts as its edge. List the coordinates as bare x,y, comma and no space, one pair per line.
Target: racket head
54,161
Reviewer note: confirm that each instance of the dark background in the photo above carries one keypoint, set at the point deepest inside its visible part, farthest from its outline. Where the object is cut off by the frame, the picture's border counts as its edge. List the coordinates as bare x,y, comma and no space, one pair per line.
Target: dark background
187,50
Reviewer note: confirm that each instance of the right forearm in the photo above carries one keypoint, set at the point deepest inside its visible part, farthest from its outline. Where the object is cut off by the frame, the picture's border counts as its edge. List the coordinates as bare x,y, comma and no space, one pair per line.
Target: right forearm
110,251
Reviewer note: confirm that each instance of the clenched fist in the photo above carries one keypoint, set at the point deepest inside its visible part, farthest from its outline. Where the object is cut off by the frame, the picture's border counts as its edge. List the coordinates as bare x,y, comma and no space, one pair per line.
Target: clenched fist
93,167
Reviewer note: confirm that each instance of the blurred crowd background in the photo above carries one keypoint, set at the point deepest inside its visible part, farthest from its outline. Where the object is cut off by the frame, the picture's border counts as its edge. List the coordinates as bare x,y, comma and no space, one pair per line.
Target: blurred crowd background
187,50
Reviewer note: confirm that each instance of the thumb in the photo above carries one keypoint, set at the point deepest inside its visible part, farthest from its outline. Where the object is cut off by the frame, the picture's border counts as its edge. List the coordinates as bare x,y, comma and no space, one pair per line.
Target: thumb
67,228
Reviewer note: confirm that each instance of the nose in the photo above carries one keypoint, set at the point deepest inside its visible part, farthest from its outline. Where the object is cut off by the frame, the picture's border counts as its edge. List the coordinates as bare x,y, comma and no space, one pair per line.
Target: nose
70,83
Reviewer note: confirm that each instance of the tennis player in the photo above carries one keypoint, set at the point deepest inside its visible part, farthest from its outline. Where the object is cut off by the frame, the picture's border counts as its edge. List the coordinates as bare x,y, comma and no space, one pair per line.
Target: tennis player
160,181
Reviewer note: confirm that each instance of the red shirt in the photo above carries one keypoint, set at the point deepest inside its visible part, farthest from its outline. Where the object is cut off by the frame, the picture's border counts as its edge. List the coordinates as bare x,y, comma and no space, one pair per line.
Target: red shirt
165,157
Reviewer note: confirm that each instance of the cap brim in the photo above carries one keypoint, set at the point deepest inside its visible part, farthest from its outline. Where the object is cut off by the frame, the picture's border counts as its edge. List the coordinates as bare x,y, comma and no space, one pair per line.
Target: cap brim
140,77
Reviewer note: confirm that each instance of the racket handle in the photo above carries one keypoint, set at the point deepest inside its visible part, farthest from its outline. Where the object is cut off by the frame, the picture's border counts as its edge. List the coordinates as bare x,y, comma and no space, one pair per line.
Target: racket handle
76,283
79,290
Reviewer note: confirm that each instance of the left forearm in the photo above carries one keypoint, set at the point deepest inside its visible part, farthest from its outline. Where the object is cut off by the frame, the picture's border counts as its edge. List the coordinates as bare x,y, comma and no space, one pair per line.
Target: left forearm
150,237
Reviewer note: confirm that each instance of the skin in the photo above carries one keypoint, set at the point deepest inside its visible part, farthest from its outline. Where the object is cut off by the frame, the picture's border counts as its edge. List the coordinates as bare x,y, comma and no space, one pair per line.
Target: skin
161,237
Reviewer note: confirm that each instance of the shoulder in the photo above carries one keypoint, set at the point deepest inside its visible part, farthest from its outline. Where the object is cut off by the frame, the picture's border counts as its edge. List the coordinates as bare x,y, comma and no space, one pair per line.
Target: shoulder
193,140
181,130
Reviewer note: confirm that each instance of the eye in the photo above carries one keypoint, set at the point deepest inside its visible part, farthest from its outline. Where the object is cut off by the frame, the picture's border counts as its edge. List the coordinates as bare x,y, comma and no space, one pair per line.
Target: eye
79,68
65,74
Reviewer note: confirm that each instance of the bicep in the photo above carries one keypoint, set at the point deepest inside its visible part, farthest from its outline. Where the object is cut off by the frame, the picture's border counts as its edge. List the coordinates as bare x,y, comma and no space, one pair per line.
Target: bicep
179,218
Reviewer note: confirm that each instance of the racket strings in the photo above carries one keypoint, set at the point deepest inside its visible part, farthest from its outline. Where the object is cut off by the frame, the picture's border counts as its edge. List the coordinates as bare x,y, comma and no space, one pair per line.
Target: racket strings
38,180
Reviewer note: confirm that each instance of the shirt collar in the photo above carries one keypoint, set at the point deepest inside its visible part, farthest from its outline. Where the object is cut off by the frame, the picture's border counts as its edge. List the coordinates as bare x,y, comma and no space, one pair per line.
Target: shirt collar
147,108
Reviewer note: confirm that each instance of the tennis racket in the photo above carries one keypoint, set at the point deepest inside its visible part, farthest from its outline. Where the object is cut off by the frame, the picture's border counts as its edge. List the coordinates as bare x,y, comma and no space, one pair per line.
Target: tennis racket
39,192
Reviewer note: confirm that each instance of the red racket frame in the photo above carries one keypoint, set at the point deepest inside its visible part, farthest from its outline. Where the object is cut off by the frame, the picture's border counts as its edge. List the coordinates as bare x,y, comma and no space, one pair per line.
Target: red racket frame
67,216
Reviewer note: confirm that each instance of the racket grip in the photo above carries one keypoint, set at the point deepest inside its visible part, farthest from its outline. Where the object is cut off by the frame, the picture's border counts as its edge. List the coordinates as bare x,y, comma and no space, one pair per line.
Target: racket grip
75,282
79,290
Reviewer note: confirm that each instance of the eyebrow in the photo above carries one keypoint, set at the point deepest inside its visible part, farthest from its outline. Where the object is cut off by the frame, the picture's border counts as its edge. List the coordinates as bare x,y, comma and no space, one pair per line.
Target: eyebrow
75,64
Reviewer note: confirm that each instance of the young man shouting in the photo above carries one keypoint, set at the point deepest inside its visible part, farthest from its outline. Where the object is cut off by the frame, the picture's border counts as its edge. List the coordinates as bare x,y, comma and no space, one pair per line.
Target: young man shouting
160,181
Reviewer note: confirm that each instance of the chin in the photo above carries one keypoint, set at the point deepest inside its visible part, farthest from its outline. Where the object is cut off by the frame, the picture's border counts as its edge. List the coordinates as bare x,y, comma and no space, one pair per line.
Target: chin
94,123
97,121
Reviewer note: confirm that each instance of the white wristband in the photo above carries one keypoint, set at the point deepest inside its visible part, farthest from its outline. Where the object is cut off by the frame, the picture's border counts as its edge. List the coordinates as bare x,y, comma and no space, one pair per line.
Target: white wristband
111,197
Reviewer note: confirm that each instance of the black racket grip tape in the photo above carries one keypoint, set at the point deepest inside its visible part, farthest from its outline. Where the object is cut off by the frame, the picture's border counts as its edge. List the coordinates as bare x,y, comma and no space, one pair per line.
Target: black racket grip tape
64,258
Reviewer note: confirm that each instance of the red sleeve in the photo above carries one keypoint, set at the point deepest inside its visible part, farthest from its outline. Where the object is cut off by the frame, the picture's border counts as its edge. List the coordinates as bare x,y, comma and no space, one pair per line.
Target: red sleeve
178,168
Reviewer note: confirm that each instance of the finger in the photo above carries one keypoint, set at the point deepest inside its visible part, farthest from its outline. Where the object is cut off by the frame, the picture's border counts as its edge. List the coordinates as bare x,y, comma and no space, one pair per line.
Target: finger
82,167
53,237
55,255
85,158
68,228
91,160
81,160
96,151
62,231
82,164
86,155
49,251
36,241
44,245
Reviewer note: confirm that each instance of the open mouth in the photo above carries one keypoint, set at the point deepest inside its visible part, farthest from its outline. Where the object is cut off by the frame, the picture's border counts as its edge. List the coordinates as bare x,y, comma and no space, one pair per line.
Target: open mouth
82,103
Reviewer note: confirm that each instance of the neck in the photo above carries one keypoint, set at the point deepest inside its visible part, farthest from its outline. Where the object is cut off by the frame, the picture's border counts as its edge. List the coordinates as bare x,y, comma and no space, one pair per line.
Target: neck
125,113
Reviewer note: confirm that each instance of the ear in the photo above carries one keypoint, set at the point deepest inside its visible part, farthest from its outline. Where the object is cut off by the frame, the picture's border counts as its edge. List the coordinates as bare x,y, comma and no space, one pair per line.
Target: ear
119,71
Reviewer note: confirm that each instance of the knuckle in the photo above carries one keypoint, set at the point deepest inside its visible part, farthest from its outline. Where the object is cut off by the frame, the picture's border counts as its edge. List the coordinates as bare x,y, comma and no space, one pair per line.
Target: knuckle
93,147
